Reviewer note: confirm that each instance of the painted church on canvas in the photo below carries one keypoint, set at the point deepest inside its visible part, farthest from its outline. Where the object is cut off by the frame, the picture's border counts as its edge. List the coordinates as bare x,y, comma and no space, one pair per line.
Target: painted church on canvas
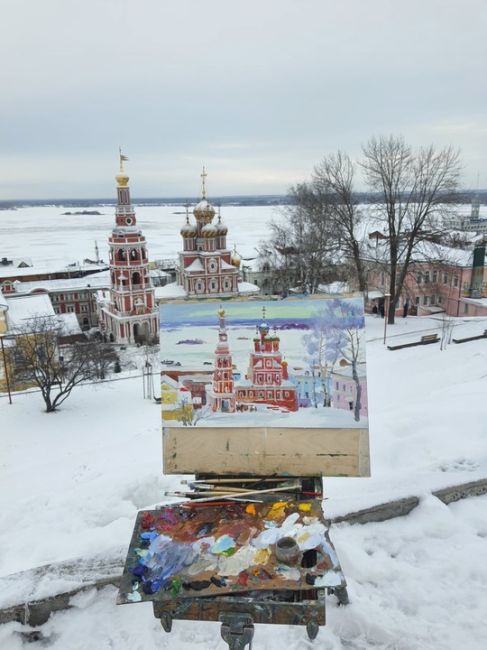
294,362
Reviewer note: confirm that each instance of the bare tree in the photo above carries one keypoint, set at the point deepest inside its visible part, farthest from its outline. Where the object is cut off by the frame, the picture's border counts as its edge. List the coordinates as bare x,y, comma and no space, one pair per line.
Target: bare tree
305,240
333,180
414,192
55,369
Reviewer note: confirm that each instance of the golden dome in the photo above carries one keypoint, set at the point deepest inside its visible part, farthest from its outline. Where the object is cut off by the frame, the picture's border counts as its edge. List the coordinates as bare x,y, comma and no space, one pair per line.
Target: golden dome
122,179
235,258
204,211
221,312
188,229
209,230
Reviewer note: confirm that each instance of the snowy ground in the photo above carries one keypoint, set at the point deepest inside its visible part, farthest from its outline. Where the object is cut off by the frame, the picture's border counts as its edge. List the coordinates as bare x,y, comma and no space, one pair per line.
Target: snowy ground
71,484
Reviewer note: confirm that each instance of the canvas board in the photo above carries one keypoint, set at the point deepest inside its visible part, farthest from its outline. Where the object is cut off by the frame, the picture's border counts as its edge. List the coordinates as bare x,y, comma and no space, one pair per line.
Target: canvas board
265,387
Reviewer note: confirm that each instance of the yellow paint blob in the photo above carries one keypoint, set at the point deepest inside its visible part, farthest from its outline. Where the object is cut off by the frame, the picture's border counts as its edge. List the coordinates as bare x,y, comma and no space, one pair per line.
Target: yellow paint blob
277,510
305,507
261,556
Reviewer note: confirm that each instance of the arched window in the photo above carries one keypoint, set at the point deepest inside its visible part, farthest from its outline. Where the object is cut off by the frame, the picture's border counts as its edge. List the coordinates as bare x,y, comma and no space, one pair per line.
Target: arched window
133,254
120,254
136,279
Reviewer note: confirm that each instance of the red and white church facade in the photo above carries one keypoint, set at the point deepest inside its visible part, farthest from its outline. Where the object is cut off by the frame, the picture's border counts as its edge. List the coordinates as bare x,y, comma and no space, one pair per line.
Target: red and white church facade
206,266
130,314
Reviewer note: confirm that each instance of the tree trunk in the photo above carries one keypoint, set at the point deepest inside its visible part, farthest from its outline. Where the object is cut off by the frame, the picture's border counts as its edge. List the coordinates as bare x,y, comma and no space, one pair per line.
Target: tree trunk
358,403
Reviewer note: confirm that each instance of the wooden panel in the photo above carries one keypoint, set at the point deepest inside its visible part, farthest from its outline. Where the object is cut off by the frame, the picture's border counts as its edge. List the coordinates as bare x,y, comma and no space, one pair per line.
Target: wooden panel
265,451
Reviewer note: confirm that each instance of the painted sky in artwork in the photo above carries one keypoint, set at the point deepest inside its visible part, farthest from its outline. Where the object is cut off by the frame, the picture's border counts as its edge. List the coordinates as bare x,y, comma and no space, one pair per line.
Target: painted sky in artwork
248,312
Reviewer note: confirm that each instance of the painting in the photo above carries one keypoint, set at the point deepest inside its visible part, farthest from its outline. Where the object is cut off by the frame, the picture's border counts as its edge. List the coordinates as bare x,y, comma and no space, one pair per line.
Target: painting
183,551
252,363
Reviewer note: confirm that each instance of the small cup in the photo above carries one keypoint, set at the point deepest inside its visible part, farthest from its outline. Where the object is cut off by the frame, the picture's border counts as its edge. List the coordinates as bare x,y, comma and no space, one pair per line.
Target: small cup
287,551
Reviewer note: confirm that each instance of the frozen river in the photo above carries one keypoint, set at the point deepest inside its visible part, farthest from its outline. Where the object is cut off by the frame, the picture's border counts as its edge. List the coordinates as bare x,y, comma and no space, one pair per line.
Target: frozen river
48,237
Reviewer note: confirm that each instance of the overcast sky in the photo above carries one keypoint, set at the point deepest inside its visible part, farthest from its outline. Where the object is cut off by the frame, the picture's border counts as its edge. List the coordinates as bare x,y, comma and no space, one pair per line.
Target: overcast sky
258,90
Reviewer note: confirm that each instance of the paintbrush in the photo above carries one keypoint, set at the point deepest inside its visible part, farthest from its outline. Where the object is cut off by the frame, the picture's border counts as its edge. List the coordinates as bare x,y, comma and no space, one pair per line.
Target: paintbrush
245,494
260,479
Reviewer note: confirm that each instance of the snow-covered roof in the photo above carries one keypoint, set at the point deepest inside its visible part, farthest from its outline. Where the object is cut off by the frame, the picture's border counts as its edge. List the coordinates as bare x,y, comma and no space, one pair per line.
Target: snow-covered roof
97,280
11,272
480,302
69,324
170,291
23,308
247,288
334,288
226,265
346,371
195,266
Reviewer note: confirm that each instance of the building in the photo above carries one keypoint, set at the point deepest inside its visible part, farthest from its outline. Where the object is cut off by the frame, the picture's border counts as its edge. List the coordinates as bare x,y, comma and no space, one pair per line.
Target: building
68,295
440,279
175,401
207,267
221,395
129,313
344,389
267,381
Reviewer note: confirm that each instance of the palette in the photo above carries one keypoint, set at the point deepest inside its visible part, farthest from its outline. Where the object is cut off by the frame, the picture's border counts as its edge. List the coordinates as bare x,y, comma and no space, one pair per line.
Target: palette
192,550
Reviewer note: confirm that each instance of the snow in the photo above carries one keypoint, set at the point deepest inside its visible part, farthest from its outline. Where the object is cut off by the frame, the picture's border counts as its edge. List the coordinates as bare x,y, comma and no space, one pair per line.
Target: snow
69,323
169,291
100,279
72,482
195,266
247,288
23,308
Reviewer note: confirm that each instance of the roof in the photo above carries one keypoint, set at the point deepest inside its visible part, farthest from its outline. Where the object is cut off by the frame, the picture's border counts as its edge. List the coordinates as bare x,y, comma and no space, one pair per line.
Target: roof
346,371
97,280
11,272
23,308
69,324
169,291
195,266
247,288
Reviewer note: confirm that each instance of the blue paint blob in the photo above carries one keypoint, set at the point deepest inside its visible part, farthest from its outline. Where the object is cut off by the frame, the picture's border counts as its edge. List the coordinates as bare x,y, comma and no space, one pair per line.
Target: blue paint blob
139,571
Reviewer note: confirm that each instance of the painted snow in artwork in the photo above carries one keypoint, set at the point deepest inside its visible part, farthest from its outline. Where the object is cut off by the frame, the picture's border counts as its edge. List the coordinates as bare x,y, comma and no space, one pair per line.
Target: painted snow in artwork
286,363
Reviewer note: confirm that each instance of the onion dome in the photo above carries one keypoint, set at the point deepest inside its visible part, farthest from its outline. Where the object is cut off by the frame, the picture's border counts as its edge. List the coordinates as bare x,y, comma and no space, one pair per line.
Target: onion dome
188,229
209,230
221,227
235,258
204,211
122,180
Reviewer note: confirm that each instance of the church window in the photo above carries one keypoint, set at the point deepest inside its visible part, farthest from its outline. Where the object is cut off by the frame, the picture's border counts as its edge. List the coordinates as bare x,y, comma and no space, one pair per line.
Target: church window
286,393
136,279
261,394
120,254
133,254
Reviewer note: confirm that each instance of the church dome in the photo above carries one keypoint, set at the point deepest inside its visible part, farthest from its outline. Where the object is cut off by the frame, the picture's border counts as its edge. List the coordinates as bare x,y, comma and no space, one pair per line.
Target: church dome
122,179
204,211
209,230
235,259
188,230
221,227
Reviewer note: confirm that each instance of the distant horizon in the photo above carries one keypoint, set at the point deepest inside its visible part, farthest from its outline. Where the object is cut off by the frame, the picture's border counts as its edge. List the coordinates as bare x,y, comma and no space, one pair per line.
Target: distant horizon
181,200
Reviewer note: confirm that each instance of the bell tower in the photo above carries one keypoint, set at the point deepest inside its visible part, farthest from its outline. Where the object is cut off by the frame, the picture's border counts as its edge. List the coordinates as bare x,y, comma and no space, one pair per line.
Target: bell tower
130,314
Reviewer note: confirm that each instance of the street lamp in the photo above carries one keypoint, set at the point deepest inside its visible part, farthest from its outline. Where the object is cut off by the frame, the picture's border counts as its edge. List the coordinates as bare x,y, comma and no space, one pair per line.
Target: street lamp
387,298
5,367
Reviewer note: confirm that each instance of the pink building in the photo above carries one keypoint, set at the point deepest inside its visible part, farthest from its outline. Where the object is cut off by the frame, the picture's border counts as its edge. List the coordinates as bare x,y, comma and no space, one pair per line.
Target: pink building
344,389
440,279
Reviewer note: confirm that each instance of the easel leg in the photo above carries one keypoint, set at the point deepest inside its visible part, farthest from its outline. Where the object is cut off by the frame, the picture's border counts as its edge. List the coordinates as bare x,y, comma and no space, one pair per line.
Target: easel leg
237,630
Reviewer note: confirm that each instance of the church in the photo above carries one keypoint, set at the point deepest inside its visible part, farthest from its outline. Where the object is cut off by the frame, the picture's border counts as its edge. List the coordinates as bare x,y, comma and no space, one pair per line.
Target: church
207,267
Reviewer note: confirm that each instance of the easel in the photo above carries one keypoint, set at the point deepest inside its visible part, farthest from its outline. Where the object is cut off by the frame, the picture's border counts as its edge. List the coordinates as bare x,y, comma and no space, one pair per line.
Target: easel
238,612
250,545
